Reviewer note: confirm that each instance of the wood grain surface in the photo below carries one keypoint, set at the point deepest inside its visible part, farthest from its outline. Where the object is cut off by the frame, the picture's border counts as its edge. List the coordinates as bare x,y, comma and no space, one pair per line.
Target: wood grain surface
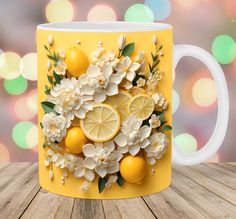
203,191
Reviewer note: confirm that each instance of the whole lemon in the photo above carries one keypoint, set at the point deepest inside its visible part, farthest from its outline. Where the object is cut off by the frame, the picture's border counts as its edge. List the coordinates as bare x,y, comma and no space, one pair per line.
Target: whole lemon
77,62
75,140
133,168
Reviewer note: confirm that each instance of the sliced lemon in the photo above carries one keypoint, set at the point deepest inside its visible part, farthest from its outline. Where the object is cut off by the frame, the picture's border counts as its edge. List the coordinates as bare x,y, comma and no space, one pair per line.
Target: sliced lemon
137,90
120,102
101,124
141,106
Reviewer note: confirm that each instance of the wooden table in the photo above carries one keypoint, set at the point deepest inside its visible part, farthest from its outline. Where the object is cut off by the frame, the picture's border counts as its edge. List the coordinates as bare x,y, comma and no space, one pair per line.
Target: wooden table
203,191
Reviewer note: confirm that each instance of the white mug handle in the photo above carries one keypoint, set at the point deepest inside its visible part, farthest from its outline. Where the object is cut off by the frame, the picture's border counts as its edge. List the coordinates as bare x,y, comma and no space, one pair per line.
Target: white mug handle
215,141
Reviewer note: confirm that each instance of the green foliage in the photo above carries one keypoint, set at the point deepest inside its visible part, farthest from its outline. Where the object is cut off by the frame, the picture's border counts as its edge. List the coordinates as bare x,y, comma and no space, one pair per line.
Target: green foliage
48,107
120,180
101,184
129,48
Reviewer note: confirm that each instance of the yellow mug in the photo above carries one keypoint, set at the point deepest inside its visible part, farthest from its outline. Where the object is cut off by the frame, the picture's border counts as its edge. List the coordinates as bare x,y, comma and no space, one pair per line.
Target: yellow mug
105,115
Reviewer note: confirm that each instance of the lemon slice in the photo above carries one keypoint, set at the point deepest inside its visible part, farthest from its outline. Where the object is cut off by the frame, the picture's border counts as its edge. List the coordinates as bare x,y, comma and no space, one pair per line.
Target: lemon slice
101,124
137,90
120,102
141,106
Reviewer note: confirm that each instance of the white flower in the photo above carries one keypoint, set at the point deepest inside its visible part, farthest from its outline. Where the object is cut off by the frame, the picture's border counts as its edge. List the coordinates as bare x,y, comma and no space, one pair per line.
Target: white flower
160,100
81,171
127,85
141,82
112,179
95,55
102,157
72,98
139,58
61,67
103,81
84,187
54,127
154,121
62,53
157,147
155,39
121,42
133,137
126,68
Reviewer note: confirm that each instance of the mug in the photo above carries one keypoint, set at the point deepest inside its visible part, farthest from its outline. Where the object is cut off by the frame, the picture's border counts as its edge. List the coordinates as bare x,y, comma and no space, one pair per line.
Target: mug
105,108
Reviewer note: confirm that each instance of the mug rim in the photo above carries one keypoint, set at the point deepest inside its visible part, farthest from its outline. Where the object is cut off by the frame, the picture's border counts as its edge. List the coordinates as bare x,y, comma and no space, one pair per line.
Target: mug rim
104,26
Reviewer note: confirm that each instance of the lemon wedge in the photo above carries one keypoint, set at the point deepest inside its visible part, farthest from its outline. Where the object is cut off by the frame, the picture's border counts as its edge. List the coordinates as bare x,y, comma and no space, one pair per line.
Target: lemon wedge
101,124
141,106
137,90
120,102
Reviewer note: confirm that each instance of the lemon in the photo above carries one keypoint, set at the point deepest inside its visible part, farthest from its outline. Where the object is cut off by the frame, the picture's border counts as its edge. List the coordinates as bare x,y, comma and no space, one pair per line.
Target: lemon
141,106
120,102
137,90
101,124
75,140
133,168
77,62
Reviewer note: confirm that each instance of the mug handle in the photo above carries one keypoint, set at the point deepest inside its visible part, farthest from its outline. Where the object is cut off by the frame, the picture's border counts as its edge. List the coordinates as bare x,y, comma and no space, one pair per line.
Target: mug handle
215,141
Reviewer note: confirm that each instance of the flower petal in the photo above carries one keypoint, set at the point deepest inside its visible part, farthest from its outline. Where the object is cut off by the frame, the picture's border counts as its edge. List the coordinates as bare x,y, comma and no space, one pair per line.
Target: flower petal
116,78
134,149
113,168
93,69
121,139
111,89
151,160
99,97
130,75
126,62
145,132
107,69
109,145
101,171
89,150
134,66
90,163
89,175
79,172
144,143
80,113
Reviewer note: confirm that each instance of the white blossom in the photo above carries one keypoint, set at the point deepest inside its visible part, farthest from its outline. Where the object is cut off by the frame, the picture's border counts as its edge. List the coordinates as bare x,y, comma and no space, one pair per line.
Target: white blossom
141,82
102,157
133,137
61,67
112,179
157,147
155,39
84,187
154,121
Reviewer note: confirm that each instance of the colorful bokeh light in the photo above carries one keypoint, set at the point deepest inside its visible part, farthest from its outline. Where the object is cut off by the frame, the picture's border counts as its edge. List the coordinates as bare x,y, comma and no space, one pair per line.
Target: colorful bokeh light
59,11
4,154
101,13
19,133
160,8
32,137
215,158
224,49
139,12
186,143
230,8
16,86
175,101
28,66
21,109
9,65
187,3
32,101
204,92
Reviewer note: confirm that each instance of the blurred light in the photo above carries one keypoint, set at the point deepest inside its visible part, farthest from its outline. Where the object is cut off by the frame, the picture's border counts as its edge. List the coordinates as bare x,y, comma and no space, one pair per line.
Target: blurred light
59,11
19,133
32,101
16,86
4,154
32,137
224,49
160,8
21,109
28,66
9,65
175,101
173,76
1,51
101,13
187,3
230,8
215,158
139,12
204,92
186,143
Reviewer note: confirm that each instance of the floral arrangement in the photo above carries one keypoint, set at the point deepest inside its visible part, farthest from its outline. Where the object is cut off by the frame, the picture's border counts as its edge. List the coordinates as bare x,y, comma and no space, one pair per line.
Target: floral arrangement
104,118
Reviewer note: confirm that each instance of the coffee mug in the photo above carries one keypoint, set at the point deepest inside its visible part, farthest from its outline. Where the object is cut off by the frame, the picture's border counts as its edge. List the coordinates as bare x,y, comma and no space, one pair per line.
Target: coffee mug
105,108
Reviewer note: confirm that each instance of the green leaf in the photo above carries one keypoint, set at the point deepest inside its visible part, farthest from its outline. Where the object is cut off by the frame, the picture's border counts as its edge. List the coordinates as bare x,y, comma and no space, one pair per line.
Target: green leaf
48,107
50,79
47,90
160,114
166,128
57,78
41,125
120,180
45,47
101,184
129,48
45,145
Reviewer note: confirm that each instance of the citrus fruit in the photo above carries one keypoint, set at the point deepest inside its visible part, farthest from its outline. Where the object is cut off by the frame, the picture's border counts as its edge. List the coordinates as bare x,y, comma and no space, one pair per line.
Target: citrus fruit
120,102
75,140
101,123
133,168
141,106
137,90
77,62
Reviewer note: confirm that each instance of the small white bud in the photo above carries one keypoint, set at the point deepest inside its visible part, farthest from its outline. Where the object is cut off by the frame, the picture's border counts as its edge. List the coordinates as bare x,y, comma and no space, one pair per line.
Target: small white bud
155,39
51,175
49,65
78,42
121,42
50,40
62,53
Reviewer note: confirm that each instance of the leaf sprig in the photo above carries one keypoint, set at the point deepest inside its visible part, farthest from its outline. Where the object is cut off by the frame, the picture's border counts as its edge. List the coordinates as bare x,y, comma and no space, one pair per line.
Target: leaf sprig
52,56
155,59
127,51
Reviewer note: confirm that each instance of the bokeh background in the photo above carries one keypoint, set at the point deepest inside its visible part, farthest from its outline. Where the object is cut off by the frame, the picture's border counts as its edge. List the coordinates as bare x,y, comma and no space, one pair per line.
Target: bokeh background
210,24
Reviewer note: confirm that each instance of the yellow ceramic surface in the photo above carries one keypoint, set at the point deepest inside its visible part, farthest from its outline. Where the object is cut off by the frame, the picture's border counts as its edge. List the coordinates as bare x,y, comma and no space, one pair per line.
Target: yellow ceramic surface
143,40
